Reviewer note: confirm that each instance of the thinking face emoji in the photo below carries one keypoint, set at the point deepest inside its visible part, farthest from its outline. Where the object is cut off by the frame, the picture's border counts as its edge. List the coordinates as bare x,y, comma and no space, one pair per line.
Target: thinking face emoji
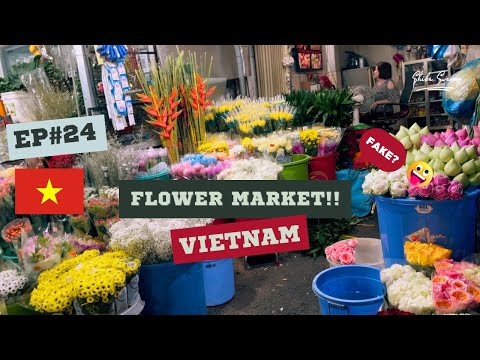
419,174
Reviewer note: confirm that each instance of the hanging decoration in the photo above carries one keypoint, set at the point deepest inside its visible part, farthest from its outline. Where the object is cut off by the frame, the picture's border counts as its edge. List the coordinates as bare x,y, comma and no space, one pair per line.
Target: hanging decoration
116,86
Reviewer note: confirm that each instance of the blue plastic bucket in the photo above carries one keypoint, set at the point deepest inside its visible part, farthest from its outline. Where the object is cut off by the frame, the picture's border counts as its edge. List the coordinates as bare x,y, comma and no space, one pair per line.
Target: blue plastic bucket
349,290
219,278
170,289
452,222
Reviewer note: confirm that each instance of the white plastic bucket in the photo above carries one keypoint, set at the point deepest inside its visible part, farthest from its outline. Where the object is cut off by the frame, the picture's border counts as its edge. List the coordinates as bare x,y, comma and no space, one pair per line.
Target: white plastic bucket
16,104
367,252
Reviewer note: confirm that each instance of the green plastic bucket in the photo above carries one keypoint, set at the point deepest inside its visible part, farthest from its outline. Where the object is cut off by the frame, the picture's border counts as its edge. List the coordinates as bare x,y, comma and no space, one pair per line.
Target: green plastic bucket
164,175
297,169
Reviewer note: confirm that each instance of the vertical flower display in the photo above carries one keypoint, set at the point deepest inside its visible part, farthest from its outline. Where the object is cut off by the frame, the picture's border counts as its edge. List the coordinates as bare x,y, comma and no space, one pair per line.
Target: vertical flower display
176,100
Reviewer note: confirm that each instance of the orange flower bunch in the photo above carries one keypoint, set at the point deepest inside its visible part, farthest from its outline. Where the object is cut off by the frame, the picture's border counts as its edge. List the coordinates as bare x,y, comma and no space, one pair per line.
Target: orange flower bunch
164,113
177,98
198,95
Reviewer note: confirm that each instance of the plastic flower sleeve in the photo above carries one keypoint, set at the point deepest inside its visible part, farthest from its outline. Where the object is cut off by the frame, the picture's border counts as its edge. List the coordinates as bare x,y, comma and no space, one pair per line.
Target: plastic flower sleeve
421,250
121,304
13,282
453,289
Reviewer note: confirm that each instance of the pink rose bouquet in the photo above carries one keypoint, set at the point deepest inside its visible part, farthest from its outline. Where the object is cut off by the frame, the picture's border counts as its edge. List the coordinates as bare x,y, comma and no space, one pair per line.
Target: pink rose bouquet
342,252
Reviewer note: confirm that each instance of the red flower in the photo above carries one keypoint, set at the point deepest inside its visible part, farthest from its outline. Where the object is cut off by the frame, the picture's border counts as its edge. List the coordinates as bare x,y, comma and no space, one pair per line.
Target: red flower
394,311
62,161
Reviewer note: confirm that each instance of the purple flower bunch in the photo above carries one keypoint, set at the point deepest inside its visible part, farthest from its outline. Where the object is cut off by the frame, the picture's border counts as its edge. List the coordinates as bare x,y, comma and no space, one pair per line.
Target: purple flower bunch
297,147
440,188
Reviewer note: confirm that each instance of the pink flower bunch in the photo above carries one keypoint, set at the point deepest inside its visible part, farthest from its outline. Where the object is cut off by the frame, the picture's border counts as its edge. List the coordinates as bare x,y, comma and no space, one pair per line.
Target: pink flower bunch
187,171
451,291
440,188
342,251
38,248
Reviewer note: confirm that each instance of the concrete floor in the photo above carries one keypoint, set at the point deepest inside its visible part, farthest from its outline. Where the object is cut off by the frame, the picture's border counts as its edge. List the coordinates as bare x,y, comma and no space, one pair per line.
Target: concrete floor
285,289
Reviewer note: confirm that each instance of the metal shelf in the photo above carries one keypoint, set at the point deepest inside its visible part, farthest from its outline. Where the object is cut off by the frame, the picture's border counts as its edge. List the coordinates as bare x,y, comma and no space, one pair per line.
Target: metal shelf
423,66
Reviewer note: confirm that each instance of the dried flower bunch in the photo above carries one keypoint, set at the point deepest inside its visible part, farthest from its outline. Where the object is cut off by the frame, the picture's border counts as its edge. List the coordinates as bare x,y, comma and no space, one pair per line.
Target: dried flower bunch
101,168
48,103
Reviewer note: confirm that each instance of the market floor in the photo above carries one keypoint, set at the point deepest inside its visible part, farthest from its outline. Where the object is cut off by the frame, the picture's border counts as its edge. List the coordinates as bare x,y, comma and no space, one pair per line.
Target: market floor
285,289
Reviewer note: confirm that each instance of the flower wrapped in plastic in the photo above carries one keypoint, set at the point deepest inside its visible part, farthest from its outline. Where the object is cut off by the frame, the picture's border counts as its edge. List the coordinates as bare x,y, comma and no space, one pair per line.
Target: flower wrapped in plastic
309,139
421,252
281,117
221,111
39,253
13,283
329,139
453,290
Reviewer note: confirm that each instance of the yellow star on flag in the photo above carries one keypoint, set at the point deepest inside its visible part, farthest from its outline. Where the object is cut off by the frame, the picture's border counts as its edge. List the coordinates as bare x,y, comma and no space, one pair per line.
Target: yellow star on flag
49,192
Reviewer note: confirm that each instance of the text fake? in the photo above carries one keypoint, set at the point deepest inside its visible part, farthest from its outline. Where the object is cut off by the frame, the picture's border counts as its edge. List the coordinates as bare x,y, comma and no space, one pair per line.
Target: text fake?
56,137
382,150
240,239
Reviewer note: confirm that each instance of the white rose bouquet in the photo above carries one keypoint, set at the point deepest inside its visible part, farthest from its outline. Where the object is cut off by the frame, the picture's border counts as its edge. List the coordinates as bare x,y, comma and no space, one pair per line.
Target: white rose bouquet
379,182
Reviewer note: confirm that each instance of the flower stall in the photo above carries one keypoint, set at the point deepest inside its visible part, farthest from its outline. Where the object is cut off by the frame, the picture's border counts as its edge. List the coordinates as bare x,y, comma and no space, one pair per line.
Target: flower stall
441,215
98,263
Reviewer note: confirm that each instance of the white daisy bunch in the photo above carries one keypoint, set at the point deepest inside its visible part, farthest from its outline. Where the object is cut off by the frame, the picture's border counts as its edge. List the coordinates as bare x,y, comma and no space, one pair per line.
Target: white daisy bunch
408,290
11,282
252,169
89,192
109,192
149,239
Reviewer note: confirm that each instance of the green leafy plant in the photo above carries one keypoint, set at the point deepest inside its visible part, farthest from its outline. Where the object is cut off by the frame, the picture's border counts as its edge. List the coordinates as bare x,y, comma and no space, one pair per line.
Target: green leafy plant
302,100
328,233
332,107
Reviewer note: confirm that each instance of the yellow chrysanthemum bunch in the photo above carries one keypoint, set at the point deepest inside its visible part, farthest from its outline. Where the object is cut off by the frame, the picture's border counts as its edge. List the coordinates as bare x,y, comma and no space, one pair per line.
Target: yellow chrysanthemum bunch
247,144
212,147
309,140
210,116
424,254
89,278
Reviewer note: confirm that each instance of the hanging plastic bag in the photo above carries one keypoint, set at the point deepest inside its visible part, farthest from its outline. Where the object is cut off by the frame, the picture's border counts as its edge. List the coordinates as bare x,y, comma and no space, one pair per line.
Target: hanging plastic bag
361,203
462,92
451,53
473,53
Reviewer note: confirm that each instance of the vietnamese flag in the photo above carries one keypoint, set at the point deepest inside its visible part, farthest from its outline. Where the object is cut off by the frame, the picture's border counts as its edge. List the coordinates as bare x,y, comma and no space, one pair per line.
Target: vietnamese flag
49,191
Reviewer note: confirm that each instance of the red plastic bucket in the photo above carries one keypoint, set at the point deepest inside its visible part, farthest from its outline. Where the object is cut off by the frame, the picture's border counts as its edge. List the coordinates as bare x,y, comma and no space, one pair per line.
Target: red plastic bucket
323,167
